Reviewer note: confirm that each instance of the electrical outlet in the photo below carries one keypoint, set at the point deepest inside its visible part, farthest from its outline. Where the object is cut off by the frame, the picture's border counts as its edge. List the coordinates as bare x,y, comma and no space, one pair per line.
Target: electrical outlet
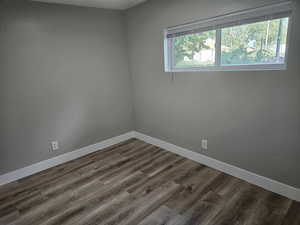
204,144
54,146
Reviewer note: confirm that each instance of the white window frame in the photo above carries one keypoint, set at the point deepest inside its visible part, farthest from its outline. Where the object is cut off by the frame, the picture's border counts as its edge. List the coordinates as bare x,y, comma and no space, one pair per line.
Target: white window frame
169,45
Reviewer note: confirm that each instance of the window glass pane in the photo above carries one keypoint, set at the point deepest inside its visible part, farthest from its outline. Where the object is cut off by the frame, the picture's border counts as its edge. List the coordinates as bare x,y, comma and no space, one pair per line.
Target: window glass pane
257,43
195,50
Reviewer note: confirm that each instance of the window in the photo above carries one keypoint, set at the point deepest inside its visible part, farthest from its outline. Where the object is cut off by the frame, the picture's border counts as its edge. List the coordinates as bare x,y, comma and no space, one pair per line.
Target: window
256,43
195,50
255,39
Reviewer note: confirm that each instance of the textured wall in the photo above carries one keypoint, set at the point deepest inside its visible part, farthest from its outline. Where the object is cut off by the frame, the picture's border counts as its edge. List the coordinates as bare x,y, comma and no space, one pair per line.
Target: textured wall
63,76
251,119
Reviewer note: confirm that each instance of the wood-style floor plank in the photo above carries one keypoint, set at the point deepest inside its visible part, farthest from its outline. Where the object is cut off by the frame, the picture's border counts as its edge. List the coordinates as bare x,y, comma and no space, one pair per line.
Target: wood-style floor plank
293,215
135,183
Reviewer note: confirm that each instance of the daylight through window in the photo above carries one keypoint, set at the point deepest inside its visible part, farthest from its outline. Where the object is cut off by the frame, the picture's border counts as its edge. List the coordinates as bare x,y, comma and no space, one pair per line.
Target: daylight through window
236,42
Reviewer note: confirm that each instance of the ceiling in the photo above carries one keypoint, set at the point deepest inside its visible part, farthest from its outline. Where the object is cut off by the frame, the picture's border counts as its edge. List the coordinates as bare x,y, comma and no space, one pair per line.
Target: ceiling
106,4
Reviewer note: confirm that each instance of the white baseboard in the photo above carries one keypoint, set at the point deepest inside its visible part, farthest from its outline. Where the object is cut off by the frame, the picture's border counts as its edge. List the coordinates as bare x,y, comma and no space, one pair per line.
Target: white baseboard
46,164
264,182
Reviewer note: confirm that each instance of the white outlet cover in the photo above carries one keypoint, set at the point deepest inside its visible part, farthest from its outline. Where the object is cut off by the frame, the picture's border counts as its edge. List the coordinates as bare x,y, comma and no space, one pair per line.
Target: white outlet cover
204,144
54,145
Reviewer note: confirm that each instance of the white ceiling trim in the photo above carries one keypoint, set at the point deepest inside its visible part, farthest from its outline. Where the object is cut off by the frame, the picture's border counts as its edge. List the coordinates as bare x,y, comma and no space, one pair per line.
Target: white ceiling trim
105,4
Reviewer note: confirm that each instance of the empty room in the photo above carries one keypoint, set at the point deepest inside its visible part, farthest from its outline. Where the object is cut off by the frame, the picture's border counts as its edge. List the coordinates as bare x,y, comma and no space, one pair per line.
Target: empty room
150,112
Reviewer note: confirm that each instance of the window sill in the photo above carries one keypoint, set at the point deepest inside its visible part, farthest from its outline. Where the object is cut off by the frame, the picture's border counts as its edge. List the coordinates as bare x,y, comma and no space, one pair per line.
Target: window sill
260,67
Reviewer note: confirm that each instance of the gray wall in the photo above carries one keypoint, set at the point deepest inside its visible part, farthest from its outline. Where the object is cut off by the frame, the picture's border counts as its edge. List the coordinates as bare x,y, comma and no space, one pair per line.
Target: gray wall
251,119
63,76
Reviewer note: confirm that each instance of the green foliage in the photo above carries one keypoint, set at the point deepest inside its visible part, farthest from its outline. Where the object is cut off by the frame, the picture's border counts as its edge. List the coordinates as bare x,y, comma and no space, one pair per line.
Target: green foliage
253,43
247,44
188,45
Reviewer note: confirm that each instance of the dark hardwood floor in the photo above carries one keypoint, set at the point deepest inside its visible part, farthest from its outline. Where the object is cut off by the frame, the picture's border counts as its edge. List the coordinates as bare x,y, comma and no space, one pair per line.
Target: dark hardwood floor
134,183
